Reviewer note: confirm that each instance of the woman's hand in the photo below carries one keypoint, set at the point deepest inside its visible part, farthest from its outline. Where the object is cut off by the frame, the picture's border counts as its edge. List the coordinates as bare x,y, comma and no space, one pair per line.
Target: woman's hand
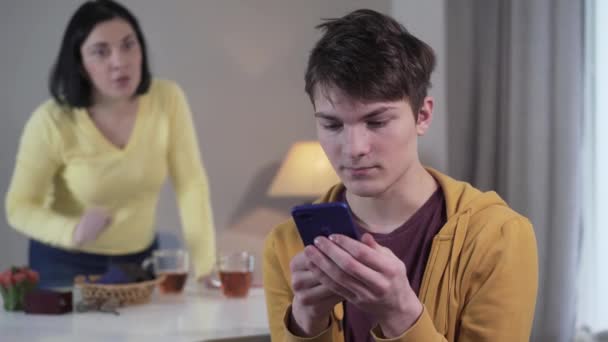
94,221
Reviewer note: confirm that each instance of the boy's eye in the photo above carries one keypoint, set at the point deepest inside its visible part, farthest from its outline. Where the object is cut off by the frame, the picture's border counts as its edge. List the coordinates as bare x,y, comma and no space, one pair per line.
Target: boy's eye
377,124
332,126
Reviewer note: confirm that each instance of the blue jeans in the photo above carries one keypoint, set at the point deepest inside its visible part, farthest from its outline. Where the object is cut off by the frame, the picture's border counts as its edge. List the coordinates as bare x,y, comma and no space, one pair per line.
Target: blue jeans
58,267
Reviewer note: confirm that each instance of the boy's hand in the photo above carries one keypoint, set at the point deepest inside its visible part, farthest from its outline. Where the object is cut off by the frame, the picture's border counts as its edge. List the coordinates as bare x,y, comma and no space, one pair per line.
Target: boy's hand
369,276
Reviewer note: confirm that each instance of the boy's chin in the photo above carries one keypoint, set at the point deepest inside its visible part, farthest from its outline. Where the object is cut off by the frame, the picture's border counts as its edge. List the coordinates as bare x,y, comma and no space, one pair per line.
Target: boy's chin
367,189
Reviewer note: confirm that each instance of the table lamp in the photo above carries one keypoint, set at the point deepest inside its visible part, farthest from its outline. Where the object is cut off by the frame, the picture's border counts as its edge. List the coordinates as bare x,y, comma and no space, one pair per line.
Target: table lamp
305,172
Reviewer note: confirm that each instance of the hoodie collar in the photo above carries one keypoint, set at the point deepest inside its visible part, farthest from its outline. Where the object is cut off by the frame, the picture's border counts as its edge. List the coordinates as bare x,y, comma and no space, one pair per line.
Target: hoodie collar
460,198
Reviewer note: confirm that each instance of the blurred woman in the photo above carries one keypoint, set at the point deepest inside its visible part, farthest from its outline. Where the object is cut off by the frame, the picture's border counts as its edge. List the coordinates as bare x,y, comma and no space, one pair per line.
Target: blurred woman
92,160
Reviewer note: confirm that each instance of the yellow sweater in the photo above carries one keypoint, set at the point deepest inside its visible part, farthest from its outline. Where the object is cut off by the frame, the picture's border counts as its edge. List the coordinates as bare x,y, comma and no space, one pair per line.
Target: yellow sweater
479,284
65,165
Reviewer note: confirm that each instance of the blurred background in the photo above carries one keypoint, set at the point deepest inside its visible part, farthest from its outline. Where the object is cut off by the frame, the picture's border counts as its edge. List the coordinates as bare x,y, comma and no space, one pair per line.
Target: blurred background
517,90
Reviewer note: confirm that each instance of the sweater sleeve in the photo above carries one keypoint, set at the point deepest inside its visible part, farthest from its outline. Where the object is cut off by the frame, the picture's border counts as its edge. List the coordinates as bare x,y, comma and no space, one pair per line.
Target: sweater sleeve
279,297
501,298
277,291
191,186
37,162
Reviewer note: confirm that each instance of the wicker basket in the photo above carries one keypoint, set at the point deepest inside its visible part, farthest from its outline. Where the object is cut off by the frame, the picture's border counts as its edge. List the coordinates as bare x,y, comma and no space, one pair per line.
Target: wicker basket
125,294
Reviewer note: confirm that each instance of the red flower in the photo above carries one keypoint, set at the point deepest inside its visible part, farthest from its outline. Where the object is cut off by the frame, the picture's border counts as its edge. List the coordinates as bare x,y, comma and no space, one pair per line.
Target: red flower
4,278
32,276
19,277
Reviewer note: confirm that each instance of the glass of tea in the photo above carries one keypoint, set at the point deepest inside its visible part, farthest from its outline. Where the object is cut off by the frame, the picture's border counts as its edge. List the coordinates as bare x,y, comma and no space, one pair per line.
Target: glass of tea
171,265
236,273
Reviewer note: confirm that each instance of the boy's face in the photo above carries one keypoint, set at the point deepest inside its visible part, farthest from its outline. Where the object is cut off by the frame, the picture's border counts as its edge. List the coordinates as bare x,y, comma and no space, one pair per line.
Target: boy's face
371,145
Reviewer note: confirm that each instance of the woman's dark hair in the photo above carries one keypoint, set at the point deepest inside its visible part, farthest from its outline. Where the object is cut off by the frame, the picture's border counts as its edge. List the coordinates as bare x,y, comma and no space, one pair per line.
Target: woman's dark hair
68,81
371,57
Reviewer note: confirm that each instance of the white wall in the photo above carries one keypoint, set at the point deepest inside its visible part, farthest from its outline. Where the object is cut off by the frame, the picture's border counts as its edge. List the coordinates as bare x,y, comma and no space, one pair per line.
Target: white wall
29,38
426,19
241,64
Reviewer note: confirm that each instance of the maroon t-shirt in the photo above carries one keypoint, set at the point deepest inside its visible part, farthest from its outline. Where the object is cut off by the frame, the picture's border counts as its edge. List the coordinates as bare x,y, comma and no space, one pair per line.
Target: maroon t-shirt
412,244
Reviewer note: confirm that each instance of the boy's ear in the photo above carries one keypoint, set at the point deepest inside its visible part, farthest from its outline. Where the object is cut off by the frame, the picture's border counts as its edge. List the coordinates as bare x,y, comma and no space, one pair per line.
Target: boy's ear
425,116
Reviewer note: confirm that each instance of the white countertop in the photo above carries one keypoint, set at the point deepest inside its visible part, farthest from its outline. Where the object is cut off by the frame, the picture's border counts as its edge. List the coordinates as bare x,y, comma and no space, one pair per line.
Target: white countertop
198,314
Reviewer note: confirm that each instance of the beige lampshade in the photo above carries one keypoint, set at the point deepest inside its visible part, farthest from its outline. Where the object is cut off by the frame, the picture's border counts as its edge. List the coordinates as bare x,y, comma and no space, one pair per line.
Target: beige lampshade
305,172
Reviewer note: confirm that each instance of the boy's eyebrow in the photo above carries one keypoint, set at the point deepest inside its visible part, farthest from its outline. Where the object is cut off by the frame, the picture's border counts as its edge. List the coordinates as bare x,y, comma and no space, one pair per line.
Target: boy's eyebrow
377,112
369,115
325,116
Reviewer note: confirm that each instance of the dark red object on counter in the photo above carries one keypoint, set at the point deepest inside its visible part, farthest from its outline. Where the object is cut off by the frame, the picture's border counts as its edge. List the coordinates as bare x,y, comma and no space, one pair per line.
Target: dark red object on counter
48,302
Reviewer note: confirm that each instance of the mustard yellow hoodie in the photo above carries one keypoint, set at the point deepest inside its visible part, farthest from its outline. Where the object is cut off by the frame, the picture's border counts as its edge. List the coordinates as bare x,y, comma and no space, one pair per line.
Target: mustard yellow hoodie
479,284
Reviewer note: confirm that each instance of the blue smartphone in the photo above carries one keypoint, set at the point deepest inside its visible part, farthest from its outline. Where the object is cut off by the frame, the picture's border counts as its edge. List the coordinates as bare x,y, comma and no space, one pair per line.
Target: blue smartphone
323,219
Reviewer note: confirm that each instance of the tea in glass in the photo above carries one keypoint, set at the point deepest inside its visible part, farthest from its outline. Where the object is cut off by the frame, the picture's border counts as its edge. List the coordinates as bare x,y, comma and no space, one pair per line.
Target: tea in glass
172,266
236,273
